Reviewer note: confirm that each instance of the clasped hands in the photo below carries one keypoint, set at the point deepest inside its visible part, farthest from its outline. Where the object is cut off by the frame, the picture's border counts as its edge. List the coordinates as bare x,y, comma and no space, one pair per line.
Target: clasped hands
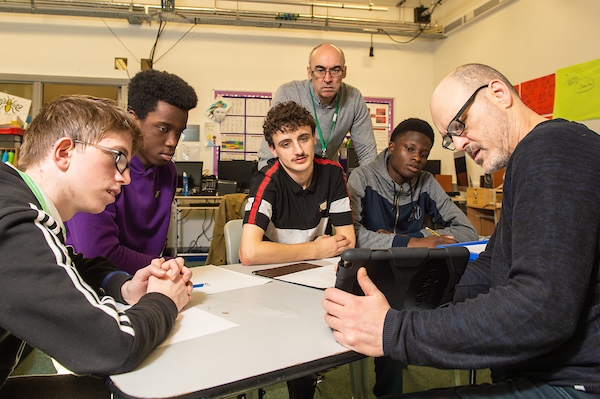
168,277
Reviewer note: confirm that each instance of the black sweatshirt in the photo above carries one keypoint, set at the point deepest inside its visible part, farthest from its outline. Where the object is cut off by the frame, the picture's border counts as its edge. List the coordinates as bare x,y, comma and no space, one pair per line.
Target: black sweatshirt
530,305
51,298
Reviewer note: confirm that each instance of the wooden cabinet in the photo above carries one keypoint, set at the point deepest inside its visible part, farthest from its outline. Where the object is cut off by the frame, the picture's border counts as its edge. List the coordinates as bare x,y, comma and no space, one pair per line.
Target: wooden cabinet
483,209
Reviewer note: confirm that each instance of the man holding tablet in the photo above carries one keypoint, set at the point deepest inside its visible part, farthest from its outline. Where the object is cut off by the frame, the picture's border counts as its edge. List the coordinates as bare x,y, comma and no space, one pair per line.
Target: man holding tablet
528,308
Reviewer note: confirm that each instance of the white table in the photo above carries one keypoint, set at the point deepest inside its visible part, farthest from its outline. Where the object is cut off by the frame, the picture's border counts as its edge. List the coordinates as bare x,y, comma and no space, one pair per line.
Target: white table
281,336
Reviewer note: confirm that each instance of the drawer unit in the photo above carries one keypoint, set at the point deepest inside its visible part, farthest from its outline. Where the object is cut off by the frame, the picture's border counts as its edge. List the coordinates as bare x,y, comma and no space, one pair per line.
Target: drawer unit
483,198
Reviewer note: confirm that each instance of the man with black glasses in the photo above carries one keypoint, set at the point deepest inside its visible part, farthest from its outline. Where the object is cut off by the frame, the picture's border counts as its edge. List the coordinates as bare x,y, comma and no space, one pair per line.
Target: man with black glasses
337,107
528,308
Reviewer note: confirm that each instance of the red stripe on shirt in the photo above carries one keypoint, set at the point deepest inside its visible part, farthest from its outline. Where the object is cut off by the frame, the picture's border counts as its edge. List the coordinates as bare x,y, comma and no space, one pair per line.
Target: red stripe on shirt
260,192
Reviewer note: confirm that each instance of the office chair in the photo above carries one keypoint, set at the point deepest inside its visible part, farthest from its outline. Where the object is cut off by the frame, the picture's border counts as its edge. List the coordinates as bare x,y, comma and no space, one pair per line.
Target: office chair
233,237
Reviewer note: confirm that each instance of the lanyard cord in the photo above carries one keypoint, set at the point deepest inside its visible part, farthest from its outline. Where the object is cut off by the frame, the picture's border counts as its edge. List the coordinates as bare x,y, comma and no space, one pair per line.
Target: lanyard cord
397,202
333,120
38,194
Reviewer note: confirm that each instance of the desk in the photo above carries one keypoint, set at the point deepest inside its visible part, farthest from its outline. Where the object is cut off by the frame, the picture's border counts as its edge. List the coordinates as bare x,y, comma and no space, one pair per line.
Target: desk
281,335
189,203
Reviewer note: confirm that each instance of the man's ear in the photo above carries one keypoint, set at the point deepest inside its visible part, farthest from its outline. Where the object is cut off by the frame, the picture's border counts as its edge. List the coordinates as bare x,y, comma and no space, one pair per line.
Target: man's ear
132,113
308,72
391,146
501,93
62,153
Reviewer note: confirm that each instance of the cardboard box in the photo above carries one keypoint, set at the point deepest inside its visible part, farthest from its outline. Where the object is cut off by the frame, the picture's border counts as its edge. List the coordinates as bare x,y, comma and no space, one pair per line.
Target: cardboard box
483,198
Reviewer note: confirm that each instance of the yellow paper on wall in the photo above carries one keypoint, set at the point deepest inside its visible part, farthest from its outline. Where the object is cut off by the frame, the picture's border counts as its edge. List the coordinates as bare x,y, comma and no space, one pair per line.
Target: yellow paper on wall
578,92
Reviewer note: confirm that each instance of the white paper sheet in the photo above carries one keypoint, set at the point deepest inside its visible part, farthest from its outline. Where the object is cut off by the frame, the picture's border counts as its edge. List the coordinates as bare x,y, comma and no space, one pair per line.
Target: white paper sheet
193,323
218,279
319,277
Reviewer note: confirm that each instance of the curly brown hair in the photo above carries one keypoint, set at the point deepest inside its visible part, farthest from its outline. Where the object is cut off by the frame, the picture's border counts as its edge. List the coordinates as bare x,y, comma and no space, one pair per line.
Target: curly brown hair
286,117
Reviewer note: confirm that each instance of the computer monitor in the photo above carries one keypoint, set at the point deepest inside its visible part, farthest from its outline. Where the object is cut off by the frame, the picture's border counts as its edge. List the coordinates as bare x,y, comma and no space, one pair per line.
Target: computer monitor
460,166
238,171
433,166
193,169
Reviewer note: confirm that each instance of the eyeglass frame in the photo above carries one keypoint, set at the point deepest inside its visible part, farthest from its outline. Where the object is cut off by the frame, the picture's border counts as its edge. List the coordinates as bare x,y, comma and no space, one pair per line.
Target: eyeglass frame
447,140
325,71
116,152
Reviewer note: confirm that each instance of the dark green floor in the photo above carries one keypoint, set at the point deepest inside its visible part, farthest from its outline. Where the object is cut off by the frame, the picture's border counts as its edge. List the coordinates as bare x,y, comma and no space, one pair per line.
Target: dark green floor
335,384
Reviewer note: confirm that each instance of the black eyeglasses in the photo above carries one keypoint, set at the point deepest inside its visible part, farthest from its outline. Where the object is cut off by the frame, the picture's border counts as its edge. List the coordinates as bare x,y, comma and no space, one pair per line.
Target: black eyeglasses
456,127
321,72
121,161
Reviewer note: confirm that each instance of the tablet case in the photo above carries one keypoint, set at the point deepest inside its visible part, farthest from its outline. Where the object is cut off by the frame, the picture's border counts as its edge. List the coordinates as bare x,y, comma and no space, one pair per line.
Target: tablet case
410,278
283,270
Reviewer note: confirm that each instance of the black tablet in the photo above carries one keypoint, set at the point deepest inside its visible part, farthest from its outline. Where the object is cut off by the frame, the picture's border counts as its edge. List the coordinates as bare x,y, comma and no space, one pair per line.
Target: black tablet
410,278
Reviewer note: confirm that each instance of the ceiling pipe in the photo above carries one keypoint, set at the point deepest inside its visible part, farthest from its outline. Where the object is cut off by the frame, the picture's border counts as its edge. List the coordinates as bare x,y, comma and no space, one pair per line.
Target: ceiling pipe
138,13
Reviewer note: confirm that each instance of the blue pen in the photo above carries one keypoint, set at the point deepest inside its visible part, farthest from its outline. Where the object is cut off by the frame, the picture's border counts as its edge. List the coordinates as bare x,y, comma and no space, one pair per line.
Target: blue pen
200,285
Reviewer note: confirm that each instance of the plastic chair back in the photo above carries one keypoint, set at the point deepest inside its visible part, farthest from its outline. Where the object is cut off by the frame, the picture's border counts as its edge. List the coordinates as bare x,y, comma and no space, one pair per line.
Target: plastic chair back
233,236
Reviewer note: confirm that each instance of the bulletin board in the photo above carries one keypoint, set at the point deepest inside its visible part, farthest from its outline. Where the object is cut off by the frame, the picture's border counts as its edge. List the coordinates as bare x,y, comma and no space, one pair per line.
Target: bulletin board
382,118
241,130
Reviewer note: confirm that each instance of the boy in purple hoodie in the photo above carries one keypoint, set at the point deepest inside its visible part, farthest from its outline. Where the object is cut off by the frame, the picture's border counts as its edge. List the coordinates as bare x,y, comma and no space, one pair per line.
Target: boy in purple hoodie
133,231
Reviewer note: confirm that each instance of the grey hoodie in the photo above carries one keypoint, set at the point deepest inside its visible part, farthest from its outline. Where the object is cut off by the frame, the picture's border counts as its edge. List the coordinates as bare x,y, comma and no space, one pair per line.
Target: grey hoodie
378,202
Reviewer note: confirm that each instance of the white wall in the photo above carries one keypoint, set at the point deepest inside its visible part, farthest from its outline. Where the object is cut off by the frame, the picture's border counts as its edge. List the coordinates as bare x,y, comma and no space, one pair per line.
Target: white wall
209,58
524,40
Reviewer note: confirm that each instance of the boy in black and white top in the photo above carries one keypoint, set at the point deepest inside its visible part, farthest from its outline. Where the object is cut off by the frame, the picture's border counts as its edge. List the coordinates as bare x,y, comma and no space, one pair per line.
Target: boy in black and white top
296,198
293,203
75,158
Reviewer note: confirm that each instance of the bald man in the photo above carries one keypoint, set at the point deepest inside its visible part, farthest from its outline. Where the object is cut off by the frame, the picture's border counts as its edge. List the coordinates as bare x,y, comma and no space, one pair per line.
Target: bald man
337,107
528,308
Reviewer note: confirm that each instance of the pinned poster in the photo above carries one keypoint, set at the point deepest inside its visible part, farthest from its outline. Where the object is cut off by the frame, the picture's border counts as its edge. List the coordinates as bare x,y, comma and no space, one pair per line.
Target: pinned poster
13,106
578,92
538,94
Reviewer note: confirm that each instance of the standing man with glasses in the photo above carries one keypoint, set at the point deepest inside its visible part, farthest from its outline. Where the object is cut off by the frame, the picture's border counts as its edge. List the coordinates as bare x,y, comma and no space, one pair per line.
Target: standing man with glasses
528,308
133,231
337,107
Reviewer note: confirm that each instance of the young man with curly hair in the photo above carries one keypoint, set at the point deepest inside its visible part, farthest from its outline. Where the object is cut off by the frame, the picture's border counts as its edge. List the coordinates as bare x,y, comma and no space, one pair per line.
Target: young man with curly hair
294,201
133,230
296,198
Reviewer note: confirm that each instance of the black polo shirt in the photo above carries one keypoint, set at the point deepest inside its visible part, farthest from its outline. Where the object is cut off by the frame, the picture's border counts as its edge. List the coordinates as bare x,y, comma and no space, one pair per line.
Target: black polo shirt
290,215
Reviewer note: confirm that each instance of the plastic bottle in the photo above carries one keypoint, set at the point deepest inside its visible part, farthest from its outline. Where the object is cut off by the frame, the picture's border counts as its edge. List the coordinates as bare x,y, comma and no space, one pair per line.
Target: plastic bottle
186,188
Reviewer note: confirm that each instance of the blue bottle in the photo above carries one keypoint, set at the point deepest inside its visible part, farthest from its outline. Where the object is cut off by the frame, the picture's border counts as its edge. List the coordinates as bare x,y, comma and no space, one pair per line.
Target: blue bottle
186,187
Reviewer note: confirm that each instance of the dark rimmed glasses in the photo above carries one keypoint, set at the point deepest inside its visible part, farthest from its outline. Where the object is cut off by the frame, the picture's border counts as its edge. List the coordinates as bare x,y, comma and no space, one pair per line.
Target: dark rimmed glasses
456,127
121,161
333,72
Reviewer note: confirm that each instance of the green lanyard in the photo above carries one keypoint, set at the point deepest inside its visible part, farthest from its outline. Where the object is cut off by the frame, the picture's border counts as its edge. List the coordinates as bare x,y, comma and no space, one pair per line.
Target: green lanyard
333,120
38,194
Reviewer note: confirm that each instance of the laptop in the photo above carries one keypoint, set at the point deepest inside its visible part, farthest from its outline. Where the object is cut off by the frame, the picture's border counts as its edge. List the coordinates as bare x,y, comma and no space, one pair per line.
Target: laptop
410,278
